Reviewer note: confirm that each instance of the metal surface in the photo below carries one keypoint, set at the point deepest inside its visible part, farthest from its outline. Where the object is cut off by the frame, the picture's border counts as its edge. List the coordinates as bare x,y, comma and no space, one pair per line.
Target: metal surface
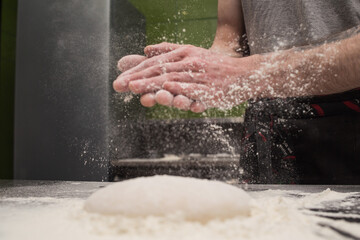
61,104
67,52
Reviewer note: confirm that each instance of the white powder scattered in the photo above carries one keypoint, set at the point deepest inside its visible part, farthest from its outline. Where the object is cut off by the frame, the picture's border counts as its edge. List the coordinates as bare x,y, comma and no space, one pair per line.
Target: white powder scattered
128,98
273,215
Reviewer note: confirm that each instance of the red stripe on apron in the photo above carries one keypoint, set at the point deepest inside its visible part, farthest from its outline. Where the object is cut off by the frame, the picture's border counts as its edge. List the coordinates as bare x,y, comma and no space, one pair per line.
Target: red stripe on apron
318,109
352,106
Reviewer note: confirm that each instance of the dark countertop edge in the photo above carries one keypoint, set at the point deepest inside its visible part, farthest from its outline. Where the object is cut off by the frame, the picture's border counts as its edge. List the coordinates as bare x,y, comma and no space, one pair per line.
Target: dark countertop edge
248,187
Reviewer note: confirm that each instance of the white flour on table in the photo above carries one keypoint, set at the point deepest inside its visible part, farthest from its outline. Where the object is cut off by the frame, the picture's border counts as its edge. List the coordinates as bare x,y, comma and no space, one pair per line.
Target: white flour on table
274,214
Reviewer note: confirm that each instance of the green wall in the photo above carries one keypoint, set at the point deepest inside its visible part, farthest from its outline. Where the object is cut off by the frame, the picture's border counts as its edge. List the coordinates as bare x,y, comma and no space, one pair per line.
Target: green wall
180,21
184,22
7,80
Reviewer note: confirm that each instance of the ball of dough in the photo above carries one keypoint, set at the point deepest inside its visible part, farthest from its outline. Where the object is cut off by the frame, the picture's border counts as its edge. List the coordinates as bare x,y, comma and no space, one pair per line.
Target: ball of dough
195,199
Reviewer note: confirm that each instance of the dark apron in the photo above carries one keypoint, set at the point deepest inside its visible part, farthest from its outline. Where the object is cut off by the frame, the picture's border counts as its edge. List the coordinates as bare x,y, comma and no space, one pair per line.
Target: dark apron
309,140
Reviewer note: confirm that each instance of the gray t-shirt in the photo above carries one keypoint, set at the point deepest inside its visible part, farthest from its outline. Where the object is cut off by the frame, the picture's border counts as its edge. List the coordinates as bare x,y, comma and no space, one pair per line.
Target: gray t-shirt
281,24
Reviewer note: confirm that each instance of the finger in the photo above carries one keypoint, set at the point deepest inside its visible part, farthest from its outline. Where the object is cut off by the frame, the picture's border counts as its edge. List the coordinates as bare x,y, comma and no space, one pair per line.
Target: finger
129,62
121,83
120,86
174,56
181,102
155,83
148,100
183,66
147,85
197,107
193,91
165,98
157,49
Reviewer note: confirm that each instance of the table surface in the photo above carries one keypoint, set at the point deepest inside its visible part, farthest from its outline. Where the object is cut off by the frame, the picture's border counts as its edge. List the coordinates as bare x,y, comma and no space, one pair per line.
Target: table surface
68,189
12,189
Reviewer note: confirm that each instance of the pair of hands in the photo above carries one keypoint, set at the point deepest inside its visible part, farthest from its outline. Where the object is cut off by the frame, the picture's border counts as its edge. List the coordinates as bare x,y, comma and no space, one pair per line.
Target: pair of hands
187,77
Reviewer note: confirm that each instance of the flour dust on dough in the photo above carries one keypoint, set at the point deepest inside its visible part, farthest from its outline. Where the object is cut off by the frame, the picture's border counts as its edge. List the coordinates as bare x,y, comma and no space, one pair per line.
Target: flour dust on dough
194,199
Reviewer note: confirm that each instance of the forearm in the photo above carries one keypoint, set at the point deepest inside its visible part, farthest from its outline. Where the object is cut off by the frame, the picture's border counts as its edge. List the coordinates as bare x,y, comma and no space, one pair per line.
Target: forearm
230,28
326,69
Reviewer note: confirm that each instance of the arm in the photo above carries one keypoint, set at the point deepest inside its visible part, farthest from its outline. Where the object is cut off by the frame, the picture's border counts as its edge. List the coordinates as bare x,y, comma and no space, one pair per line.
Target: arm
230,28
327,69
226,82
217,80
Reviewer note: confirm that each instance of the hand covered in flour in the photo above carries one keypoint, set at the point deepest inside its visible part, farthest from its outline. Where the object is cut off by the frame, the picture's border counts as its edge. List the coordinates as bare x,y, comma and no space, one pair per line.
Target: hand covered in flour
148,99
209,79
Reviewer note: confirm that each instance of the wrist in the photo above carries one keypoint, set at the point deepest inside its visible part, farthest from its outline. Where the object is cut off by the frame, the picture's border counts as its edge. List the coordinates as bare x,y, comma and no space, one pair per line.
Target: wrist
246,81
284,74
258,78
226,50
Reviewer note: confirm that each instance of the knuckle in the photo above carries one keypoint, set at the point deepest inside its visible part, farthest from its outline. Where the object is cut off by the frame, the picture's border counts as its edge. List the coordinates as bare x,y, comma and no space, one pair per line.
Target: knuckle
186,49
163,45
189,48
147,64
194,62
148,48
175,76
197,61
179,55
157,70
